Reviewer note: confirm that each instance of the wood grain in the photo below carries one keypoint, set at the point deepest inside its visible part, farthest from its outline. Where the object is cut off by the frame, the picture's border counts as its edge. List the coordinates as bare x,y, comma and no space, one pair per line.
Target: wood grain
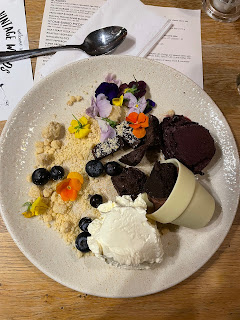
211,293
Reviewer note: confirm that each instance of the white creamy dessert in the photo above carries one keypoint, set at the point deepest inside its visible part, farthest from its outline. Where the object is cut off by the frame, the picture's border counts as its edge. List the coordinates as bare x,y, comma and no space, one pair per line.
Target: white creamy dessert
123,236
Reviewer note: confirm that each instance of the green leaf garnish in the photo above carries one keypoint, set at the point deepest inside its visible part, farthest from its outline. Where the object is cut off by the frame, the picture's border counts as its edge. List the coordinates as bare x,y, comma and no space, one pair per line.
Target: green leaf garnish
28,205
112,123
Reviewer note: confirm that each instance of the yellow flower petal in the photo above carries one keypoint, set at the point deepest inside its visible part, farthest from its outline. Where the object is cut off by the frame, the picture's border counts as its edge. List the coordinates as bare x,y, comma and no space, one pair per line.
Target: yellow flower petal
118,101
74,123
72,130
38,206
83,121
82,133
28,214
75,175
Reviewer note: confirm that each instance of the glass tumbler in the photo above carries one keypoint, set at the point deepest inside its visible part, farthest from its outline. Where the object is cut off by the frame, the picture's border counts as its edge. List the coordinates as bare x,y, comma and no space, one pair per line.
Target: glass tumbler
222,10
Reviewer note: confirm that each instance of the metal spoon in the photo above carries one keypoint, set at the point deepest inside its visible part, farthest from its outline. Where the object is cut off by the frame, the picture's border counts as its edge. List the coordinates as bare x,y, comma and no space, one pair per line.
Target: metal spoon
98,42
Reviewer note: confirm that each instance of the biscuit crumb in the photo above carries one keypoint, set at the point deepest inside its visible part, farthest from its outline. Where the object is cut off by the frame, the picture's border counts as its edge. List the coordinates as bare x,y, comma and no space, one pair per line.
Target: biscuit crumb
52,131
35,192
44,159
56,144
71,101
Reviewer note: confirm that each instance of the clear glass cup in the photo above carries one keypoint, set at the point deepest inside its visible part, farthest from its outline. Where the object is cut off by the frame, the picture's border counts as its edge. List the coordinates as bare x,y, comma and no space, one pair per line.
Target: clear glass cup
222,10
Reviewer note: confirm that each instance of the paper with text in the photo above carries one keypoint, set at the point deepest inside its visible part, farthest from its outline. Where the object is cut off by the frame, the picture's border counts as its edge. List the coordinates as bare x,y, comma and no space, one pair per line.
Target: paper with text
180,48
15,77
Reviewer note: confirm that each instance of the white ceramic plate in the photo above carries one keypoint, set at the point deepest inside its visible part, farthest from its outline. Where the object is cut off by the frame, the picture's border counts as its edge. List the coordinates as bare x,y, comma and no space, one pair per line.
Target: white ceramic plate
185,250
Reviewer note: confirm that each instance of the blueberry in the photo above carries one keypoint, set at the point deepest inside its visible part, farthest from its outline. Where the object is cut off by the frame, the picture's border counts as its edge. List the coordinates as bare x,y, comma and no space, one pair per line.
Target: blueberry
96,200
113,168
40,176
94,168
57,173
84,223
81,242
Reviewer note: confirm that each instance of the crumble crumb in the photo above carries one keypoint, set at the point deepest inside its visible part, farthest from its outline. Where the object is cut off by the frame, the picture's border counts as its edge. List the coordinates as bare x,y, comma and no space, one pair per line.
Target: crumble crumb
35,192
52,131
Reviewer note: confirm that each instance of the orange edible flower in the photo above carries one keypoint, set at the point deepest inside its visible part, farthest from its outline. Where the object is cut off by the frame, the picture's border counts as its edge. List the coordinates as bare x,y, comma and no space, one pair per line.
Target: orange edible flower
138,122
68,188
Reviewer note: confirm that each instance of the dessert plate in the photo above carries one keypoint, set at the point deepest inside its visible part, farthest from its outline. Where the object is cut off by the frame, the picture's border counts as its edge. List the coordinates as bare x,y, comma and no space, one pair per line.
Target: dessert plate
186,250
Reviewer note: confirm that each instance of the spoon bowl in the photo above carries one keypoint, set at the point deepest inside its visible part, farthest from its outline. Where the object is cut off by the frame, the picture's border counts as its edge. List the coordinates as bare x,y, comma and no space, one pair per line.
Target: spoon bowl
98,42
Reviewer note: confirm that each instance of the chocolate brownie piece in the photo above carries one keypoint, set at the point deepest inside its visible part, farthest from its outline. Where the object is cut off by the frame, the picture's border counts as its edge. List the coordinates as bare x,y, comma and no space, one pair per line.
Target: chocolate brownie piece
134,157
160,183
130,182
188,142
125,131
152,138
107,147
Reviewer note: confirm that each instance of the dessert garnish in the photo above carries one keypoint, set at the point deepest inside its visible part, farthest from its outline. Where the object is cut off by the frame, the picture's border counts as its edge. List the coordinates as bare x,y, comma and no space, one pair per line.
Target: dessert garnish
96,200
118,101
35,208
188,142
151,139
107,131
80,128
138,122
68,188
110,90
137,88
40,176
113,168
81,242
135,105
130,181
160,183
150,105
84,223
94,168
101,107
57,173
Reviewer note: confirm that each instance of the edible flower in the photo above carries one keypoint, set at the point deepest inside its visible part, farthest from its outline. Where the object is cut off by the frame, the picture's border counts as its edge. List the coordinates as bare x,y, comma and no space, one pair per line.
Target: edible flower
99,107
68,188
110,90
137,88
138,122
150,105
35,208
135,105
118,101
80,128
107,132
112,78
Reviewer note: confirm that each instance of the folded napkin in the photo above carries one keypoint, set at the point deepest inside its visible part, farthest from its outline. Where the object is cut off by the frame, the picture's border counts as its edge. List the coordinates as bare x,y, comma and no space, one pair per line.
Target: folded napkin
145,29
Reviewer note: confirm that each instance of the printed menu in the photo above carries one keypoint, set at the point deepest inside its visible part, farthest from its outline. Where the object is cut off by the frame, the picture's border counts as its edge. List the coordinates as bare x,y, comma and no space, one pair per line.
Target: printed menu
15,77
180,48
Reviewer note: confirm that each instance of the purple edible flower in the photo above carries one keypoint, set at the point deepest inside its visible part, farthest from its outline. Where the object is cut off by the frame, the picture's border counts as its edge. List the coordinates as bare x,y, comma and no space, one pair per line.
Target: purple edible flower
99,107
110,90
135,105
111,78
107,131
137,88
150,105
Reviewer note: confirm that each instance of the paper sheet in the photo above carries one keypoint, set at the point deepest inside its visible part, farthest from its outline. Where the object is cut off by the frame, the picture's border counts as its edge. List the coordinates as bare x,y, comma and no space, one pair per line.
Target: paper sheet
180,48
16,77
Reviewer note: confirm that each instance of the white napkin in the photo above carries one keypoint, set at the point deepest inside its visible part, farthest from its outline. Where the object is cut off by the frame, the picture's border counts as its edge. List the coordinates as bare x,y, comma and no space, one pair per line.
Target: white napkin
145,29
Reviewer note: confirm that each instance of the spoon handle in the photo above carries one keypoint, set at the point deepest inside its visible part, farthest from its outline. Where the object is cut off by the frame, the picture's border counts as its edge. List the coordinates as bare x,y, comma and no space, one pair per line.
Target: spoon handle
6,56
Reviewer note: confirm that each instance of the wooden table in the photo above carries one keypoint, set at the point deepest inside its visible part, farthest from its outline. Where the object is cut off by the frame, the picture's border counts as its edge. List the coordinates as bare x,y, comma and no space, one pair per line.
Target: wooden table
211,293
